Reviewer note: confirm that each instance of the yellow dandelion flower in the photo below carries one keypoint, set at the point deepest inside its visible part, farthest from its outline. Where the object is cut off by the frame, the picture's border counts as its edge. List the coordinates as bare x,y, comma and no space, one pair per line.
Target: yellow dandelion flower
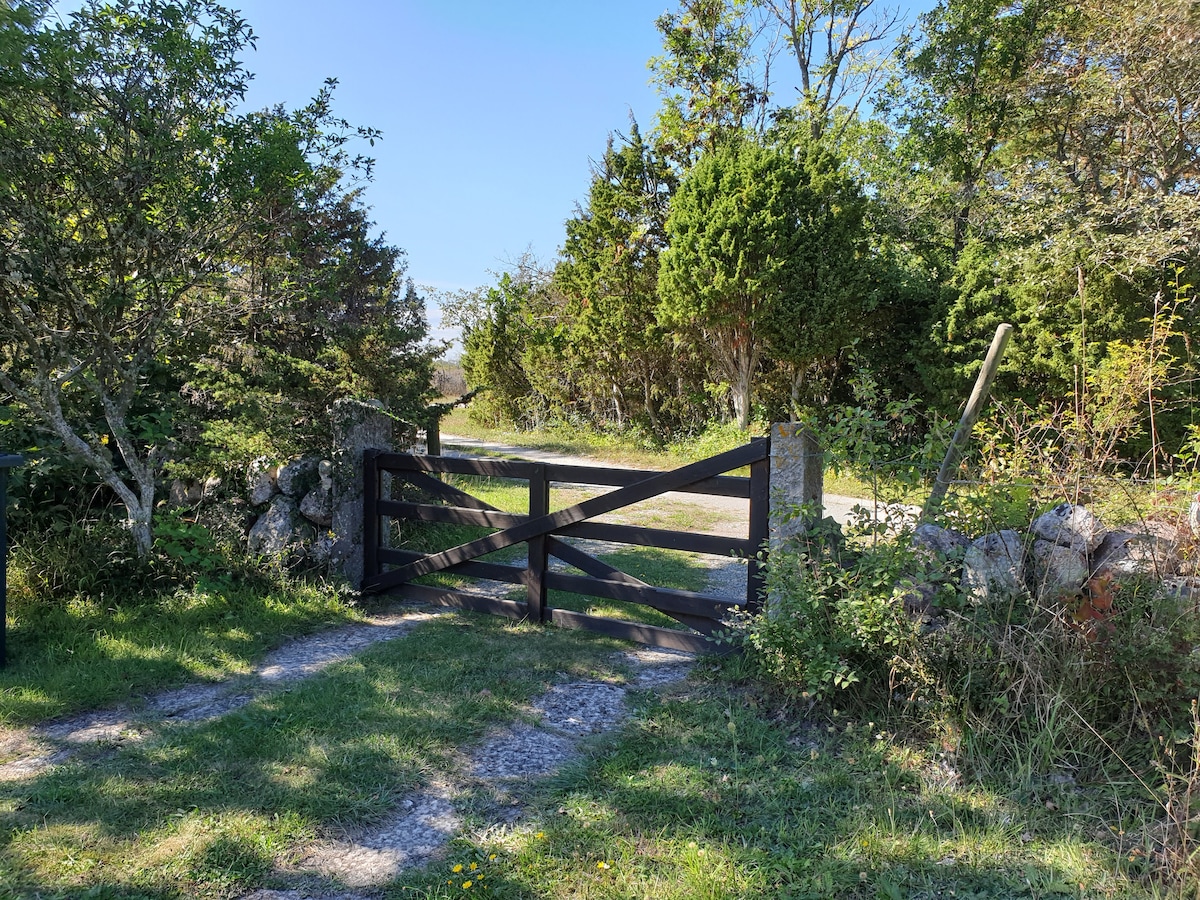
467,885
602,865
457,869
492,857
540,835
474,866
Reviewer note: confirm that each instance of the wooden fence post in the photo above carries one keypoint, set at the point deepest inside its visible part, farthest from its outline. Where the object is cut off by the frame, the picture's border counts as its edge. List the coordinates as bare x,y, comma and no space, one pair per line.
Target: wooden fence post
962,434
539,556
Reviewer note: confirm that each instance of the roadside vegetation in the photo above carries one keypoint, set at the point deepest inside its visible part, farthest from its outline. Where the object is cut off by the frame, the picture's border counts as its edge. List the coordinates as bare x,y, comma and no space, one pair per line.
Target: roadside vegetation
187,288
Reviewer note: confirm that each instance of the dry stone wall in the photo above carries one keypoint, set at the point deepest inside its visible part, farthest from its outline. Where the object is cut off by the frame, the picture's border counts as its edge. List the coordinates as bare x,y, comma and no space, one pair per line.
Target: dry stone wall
1064,553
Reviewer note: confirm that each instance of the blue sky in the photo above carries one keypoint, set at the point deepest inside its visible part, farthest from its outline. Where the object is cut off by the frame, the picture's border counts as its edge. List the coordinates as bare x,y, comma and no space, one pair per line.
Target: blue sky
491,111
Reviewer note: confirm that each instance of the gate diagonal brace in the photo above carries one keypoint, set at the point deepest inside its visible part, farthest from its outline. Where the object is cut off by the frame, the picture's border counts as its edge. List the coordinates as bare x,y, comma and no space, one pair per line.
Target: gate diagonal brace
649,487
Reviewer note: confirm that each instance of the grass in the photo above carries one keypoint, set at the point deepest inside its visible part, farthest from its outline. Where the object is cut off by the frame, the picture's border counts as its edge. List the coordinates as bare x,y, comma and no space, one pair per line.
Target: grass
621,450
712,790
211,809
715,792
82,652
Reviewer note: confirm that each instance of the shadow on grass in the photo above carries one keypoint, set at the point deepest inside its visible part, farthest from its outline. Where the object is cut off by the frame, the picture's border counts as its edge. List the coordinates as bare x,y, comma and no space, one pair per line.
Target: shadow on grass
216,806
707,794
87,654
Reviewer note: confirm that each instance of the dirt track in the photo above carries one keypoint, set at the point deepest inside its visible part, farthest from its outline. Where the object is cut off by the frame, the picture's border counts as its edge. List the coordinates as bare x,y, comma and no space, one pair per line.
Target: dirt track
729,510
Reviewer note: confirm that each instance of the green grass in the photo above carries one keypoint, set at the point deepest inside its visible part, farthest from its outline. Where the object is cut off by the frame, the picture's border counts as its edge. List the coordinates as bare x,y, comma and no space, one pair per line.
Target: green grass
621,450
714,792
82,652
618,448
209,809
661,568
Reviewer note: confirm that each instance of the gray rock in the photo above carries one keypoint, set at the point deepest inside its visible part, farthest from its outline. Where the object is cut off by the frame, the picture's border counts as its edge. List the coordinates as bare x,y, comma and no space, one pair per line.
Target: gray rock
1070,526
261,480
325,473
209,488
275,532
321,550
994,567
299,477
1058,571
1124,555
184,493
317,506
934,542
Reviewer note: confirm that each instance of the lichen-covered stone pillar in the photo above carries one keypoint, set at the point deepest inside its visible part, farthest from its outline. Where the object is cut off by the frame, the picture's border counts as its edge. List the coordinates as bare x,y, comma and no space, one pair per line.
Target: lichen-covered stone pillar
356,426
797,474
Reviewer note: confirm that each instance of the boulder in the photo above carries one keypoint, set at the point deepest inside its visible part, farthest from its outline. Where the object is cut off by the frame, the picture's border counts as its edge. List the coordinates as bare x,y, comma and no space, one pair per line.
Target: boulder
299,477
321,551
932,542
1058,571
209,488
275,532
317,506
261,480
994,567
1124,555
184,493
1070,526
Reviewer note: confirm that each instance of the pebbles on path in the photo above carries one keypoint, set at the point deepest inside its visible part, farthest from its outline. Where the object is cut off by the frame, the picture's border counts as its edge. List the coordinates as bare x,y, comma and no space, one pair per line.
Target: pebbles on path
510,759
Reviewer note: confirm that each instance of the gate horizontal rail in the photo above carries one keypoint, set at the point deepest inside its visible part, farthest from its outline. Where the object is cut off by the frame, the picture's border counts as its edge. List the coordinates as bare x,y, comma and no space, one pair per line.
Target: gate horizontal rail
394,570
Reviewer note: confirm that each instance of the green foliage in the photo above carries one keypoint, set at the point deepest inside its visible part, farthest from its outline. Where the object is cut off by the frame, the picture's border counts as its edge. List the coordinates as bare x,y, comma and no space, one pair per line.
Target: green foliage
177,270
748,262
500,339
834,616
705,78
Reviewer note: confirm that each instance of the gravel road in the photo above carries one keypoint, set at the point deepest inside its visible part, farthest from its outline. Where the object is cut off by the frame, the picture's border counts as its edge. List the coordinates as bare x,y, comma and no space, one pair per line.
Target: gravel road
730,509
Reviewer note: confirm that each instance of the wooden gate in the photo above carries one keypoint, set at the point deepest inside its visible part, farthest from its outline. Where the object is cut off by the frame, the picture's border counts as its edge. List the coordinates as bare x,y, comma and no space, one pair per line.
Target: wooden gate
393,570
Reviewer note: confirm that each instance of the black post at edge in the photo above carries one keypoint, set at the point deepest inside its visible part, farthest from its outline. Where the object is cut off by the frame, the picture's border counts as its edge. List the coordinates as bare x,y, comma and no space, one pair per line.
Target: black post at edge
7,461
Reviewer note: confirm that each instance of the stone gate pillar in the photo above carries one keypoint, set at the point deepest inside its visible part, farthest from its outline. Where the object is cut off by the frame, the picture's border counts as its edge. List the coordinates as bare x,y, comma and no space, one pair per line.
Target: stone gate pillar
797,474
356,426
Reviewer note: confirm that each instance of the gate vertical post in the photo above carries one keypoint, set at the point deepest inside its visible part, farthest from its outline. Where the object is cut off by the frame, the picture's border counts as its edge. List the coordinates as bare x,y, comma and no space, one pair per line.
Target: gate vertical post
797,484
535,574
760,509
370,524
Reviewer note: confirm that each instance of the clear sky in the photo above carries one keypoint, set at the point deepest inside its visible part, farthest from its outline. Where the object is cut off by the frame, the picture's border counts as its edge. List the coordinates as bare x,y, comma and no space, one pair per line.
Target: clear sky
490,111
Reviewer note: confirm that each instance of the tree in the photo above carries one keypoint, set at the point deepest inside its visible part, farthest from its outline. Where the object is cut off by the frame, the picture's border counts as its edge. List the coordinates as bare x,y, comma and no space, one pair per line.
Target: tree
128,191
511,343
963,91
706,79
829,289
609,272
836,47
746,239
333,316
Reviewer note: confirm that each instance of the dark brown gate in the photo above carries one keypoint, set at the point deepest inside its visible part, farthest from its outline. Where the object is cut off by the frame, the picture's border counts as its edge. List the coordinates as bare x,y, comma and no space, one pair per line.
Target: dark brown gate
393,570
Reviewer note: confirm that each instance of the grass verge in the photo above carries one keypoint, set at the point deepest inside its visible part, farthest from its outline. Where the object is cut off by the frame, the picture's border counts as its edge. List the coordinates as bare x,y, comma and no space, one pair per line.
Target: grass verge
213,809
715,791
84,652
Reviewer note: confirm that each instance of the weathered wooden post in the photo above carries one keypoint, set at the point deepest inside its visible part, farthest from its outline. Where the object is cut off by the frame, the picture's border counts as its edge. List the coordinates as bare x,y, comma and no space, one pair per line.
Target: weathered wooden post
7,461
962,434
